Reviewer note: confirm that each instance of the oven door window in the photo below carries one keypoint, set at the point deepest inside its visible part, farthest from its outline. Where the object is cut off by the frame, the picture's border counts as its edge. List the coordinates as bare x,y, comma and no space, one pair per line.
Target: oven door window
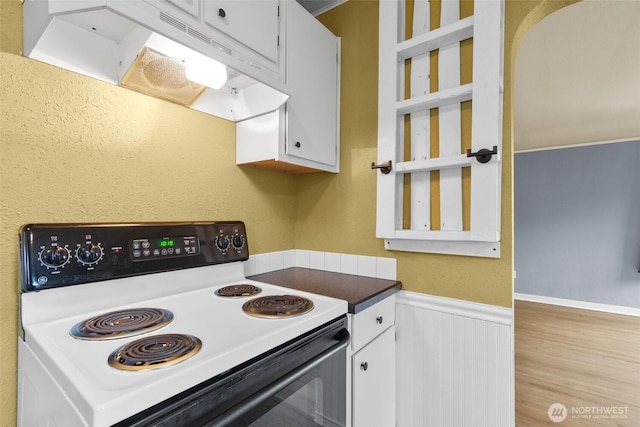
308,402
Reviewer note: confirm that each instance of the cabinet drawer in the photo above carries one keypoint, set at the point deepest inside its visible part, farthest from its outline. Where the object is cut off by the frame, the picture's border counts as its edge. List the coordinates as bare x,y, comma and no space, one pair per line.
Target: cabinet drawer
371,322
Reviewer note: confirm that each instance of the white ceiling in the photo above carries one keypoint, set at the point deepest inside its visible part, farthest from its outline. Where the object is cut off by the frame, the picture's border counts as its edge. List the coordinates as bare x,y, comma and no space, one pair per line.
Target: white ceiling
577,77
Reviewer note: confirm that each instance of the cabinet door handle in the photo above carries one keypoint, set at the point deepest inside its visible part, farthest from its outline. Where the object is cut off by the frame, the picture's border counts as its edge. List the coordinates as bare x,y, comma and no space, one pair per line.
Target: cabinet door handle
222,13
297,144
379,320
364,366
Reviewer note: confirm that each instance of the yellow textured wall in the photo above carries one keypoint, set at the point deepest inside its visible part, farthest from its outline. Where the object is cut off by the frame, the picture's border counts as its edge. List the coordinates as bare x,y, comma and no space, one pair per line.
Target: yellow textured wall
75,149
340,210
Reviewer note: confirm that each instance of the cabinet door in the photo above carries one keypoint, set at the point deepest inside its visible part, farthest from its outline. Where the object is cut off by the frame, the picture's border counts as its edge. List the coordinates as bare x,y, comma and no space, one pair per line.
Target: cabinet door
254,23
312,73
189,6
374,388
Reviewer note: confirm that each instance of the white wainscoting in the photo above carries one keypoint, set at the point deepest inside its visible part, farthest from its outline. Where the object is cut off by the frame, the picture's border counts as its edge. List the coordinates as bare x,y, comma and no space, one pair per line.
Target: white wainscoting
454,363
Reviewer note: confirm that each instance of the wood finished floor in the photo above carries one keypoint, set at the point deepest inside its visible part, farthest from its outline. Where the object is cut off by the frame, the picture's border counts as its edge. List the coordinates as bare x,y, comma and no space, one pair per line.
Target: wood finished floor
587,360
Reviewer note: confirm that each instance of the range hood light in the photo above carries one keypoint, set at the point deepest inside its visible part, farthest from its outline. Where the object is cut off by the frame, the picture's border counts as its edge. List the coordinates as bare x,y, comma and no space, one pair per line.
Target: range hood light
141,45
206,71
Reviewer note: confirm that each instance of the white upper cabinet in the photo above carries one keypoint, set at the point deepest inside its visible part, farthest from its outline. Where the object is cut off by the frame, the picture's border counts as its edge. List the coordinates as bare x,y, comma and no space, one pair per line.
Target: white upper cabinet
303,135
248,30
312,73
192,7
253,23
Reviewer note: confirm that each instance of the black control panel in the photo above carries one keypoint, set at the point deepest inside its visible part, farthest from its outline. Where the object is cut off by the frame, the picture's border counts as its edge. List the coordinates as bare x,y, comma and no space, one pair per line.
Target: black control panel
54,255
164,247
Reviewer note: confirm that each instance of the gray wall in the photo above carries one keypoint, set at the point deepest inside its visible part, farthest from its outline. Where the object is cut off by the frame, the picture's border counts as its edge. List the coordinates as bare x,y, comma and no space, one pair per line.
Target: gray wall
577,223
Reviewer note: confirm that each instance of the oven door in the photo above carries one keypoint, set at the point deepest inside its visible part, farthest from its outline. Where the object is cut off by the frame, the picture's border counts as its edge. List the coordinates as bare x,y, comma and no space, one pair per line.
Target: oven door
301,383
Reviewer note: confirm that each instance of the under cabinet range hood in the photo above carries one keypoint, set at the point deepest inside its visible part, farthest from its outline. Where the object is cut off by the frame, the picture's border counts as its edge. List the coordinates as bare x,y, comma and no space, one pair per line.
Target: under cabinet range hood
154,46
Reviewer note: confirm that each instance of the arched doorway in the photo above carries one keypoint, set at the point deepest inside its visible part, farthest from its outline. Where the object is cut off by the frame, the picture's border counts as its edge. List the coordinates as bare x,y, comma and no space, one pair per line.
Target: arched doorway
575,82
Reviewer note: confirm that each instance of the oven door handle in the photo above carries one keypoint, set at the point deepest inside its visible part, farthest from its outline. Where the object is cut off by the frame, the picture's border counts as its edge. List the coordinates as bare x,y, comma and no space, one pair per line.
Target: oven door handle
231,415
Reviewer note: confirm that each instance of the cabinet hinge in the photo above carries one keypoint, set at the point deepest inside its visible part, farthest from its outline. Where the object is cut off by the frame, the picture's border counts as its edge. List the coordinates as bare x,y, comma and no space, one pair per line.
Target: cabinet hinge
278,11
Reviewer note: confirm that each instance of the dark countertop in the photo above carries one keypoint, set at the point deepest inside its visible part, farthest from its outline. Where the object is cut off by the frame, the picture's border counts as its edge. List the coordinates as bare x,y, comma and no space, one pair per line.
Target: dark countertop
359,291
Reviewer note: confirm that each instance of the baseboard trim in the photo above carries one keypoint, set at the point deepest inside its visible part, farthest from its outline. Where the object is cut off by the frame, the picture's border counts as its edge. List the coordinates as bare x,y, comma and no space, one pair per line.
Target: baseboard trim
475,310
585,305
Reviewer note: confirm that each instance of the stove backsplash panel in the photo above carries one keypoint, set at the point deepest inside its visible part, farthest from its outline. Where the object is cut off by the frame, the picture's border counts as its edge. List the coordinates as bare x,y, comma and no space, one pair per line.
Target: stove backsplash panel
55,255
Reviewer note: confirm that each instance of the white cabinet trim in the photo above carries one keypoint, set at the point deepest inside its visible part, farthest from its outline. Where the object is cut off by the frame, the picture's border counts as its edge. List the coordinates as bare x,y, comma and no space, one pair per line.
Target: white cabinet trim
478,311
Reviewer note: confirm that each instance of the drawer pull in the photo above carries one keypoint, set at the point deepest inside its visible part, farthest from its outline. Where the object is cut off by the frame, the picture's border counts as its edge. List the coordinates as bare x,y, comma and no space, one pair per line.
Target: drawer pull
364,366
379,320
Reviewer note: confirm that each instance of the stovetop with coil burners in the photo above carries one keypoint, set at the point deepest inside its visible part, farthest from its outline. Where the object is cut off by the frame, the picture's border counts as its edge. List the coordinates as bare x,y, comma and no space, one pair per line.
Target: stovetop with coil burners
121,323
85,287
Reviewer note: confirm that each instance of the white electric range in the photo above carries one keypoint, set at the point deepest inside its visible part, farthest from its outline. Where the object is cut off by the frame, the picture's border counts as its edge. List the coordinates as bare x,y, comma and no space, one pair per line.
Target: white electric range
155,324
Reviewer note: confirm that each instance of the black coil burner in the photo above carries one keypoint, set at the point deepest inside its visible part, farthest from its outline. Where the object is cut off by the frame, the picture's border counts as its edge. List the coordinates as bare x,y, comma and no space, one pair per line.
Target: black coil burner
153,352
277,306
239,290
121,323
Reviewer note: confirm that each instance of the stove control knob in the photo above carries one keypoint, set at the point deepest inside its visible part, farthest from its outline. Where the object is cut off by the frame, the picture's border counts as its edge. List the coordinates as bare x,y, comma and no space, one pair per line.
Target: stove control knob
89,254
238,241
222,242
55,256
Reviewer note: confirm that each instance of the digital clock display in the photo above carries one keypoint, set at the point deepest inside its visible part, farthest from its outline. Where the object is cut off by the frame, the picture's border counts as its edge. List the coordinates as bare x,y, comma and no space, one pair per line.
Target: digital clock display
167,243
164,247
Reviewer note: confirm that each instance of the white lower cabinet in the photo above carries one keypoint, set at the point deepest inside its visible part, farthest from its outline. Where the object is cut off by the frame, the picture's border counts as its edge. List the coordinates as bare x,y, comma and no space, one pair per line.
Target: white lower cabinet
372,366
374,382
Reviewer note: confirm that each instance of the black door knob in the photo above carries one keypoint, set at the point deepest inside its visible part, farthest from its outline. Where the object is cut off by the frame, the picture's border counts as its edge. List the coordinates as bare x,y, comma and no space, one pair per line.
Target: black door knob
297,144
222,13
